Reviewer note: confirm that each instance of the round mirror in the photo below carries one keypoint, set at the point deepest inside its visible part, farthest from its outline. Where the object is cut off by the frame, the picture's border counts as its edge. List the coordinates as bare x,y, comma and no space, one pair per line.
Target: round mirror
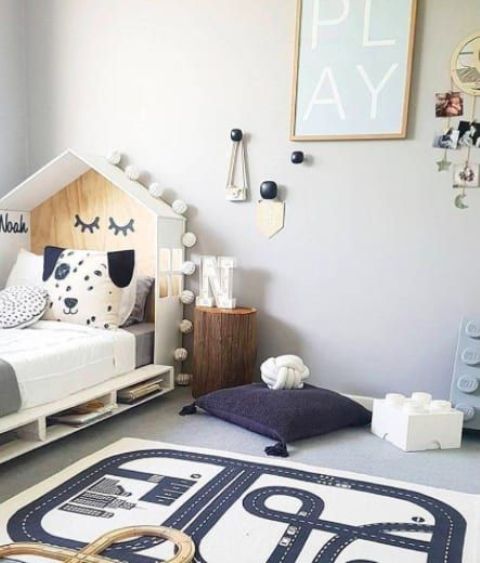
466,65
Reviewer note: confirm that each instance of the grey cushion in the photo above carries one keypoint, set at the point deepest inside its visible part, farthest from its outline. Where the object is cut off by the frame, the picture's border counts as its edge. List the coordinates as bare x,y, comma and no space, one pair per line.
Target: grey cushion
286,415
22,305
144,285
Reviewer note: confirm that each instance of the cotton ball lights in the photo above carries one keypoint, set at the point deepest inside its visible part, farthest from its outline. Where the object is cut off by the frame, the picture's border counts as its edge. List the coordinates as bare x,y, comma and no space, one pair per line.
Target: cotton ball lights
188,268
114,157
179,206
186,326
187,297
183,379
155,189
132,172
189,240
180,354
284,372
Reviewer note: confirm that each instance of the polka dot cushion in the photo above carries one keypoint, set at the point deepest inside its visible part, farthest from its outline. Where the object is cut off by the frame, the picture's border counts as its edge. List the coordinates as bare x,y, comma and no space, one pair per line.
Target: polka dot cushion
22,305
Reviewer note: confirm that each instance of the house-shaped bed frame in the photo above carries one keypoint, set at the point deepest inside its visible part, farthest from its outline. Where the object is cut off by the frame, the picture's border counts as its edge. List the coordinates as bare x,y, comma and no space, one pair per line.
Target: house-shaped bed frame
52,207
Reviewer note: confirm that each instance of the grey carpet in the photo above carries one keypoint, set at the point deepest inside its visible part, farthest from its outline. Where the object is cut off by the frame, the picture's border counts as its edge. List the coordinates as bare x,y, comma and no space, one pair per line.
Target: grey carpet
353,450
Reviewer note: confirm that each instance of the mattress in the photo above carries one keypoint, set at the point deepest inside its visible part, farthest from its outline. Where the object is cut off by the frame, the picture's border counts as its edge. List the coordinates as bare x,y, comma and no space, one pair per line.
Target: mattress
53,360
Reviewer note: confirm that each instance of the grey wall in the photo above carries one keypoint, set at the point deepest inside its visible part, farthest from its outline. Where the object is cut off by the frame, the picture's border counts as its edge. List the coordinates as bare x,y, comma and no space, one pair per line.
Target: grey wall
375,267
13,132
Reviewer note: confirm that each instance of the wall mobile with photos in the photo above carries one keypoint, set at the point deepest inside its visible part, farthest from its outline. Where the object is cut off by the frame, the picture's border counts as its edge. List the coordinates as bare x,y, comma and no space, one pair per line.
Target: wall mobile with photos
462,131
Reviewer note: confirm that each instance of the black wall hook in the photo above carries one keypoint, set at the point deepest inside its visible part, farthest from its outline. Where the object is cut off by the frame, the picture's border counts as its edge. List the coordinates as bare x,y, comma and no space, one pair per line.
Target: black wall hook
297,157
268,189
236,135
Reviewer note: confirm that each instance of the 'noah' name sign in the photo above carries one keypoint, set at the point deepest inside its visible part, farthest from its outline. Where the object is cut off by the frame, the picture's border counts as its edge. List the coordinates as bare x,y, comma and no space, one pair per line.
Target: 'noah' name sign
352,69
14,235
13,223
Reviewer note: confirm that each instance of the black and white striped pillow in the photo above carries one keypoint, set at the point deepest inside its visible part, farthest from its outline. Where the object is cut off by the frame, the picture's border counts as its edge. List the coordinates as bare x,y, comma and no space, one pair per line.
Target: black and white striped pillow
22,305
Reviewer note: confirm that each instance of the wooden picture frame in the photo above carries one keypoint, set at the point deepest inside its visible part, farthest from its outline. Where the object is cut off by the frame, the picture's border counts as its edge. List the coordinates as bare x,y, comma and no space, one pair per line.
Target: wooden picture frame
322,131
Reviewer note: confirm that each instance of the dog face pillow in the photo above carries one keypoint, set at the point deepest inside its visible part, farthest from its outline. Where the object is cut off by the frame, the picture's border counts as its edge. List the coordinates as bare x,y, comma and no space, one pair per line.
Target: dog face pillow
85,287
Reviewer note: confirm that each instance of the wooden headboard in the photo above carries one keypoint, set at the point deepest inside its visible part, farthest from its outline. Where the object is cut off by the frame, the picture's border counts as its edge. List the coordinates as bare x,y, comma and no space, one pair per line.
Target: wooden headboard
91,196
70,186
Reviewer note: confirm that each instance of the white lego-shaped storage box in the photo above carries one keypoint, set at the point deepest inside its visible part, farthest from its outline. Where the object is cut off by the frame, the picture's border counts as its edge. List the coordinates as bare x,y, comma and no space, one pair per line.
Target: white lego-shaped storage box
417,423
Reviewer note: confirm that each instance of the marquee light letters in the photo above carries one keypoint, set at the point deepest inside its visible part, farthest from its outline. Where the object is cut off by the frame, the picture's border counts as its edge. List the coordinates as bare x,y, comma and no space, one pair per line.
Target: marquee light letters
216,282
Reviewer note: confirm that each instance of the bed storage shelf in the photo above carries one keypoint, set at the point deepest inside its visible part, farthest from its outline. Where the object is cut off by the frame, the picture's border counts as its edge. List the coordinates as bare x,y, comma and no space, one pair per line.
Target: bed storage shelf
28,430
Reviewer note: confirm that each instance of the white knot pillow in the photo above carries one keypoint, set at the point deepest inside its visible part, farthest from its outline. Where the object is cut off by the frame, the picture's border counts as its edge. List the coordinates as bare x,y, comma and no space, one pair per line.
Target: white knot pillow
284,372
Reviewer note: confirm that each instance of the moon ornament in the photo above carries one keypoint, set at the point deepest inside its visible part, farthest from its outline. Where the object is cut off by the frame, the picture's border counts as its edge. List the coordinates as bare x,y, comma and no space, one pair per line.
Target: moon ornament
459,202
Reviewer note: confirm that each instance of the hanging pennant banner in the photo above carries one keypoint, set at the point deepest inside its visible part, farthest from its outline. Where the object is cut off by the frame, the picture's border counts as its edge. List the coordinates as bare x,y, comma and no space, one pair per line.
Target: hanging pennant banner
270,217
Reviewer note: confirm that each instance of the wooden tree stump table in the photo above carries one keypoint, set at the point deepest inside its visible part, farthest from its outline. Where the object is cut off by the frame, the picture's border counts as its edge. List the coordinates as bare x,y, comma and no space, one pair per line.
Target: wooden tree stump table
225,348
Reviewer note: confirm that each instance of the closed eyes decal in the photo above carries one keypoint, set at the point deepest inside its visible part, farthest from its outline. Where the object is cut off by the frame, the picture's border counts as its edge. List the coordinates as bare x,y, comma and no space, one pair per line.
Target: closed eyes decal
95,224
121,228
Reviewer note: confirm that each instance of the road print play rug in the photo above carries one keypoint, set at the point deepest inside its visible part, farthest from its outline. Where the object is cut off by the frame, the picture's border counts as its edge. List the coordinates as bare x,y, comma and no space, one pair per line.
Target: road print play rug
242,509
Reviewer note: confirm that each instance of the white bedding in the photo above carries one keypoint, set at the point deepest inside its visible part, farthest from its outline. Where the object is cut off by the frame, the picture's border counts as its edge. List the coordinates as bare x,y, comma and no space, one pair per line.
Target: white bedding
53,360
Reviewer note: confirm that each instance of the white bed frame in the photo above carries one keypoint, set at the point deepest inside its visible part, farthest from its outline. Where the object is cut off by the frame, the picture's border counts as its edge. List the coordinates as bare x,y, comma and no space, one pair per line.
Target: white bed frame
28,429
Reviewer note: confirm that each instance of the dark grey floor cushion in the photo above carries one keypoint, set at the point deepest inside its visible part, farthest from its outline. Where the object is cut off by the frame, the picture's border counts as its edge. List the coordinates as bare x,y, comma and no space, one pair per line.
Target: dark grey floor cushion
285,415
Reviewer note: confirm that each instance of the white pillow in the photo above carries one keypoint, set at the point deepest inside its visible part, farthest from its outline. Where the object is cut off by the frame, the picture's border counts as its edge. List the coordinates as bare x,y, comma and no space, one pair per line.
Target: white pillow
27,270
87,287
21,306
